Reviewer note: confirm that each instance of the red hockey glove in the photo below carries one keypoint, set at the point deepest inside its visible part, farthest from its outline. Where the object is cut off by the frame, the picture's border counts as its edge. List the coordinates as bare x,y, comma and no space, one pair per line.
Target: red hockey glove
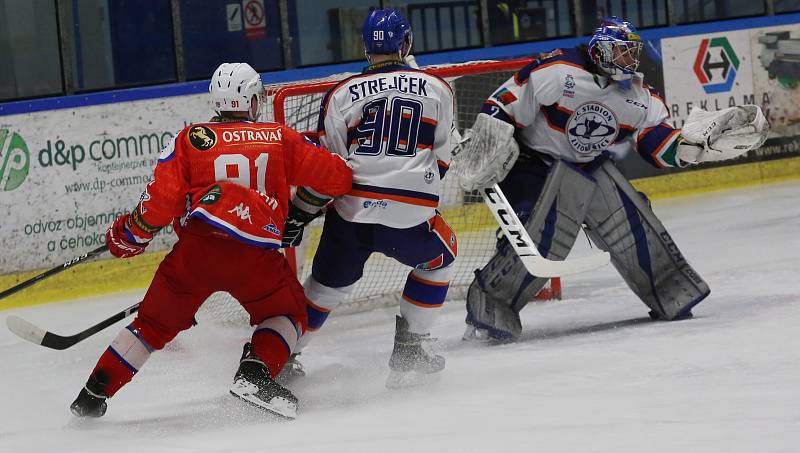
120,241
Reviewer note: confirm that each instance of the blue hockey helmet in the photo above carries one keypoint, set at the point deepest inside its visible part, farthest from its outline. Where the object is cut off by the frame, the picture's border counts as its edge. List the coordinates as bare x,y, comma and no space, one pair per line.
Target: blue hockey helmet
615,47
386,32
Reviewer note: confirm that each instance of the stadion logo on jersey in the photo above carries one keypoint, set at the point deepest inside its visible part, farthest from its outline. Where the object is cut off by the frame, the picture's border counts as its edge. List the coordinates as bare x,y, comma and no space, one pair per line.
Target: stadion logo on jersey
15,160
715,65
591,128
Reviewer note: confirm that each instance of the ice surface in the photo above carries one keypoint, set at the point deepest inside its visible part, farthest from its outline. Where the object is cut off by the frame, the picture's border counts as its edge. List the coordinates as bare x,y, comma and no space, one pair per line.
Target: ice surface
592,373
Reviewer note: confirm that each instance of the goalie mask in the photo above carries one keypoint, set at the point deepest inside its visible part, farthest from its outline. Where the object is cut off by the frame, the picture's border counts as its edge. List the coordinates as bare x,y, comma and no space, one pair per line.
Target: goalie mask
232,88
615,47
387,32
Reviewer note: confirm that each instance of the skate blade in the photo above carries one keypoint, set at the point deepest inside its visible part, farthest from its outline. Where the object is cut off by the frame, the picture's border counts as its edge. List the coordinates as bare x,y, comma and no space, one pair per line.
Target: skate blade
277,406
403,380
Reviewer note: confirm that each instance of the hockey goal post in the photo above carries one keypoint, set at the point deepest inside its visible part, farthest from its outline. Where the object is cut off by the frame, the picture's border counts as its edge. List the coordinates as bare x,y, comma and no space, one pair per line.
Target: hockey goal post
297,105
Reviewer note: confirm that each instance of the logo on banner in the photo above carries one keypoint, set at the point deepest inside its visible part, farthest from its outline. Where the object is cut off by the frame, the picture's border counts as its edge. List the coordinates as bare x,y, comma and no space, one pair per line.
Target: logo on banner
15,160
592,127
715,65
255,19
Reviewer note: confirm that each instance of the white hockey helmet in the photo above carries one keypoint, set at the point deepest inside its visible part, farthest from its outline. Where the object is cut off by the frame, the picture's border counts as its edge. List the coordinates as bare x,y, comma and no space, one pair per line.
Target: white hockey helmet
232,88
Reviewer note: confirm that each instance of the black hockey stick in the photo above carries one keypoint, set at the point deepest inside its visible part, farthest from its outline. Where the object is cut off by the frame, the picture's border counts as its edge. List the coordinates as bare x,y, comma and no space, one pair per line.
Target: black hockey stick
54,271
27,331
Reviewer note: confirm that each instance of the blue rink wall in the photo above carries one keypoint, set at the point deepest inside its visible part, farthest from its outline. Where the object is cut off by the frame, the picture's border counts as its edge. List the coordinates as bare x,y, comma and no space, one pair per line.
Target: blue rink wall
100,147
290,75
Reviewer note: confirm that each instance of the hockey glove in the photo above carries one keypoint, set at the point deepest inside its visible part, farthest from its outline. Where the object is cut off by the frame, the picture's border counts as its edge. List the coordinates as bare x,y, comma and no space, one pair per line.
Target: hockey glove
121,242
295,224
721,135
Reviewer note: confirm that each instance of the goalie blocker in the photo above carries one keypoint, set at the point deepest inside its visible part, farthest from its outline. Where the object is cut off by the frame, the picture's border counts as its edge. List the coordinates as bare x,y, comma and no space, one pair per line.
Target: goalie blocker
617,218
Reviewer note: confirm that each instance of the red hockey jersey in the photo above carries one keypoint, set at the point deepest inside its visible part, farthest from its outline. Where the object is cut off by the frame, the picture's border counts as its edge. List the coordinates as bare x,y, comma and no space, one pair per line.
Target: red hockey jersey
199,170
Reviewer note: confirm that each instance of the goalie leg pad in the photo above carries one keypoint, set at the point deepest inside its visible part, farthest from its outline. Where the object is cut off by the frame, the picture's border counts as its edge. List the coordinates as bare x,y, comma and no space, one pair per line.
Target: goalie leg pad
503,287
621,222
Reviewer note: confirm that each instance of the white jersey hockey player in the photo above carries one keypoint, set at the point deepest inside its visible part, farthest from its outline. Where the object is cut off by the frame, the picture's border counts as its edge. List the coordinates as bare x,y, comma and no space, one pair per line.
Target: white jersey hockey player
548,136
392,123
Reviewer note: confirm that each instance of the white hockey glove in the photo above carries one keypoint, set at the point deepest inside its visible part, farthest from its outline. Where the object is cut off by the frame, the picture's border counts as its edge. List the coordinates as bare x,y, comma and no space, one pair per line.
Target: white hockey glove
485,154
722,135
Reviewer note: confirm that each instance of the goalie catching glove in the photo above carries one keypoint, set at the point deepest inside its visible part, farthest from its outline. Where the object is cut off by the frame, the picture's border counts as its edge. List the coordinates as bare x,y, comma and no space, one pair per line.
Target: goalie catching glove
485,154
721,135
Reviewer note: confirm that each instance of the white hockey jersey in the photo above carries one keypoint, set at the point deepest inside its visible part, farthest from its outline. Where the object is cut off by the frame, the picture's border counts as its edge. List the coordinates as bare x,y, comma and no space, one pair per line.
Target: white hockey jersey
392,125
561,108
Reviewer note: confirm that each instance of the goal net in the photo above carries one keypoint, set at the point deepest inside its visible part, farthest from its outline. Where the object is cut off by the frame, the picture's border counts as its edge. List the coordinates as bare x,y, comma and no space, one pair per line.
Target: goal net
297,105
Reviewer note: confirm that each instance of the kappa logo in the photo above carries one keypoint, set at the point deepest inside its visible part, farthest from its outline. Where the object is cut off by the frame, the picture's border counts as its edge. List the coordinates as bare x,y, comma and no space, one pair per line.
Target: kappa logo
202,138
242,211
15,160
592,127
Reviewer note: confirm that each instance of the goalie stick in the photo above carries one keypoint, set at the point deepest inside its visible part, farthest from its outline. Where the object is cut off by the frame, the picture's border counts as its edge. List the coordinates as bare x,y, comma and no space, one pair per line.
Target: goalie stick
54,271
525,247
28,331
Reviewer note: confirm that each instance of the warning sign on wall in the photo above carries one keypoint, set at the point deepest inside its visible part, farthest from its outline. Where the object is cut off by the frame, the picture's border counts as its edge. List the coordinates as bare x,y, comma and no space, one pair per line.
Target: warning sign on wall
255,20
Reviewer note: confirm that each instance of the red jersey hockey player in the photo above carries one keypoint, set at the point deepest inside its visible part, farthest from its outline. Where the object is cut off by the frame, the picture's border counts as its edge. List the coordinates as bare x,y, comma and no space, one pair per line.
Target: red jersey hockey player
231,179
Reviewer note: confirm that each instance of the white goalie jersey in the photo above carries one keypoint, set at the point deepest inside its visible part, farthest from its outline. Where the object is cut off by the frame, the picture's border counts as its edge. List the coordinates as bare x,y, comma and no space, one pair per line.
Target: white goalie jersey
559,107
392,124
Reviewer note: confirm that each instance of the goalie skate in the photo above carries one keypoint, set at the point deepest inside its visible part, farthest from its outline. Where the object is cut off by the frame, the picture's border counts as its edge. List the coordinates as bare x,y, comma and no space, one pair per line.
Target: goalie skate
253,384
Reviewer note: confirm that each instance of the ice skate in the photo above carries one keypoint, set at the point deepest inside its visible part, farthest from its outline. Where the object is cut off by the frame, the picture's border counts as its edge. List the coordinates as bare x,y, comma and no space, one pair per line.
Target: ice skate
292,370
91,401
253,384
413,357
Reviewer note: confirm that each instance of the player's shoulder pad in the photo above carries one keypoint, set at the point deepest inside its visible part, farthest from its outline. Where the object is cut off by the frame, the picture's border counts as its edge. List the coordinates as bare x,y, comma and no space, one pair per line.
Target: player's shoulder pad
433,76
653,92
570,57
168,151
200,136
327,98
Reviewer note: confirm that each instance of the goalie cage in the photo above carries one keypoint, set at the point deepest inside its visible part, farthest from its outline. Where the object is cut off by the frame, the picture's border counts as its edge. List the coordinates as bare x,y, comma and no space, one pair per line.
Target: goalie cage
297,105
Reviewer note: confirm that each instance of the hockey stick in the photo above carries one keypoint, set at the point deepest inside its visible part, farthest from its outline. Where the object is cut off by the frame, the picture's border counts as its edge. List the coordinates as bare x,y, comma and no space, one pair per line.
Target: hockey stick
525,247
28,331
53,271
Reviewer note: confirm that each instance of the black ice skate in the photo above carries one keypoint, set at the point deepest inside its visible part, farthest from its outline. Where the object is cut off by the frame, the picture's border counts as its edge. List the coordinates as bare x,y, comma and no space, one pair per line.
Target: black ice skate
254,384
91,401
413,354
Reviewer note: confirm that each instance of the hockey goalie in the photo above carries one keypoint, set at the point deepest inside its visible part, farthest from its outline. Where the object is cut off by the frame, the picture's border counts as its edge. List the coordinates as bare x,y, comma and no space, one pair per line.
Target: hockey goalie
547,136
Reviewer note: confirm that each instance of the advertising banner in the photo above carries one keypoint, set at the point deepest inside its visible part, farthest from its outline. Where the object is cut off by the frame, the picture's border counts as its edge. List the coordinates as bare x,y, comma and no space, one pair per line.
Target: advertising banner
712,71
754,66
66,174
